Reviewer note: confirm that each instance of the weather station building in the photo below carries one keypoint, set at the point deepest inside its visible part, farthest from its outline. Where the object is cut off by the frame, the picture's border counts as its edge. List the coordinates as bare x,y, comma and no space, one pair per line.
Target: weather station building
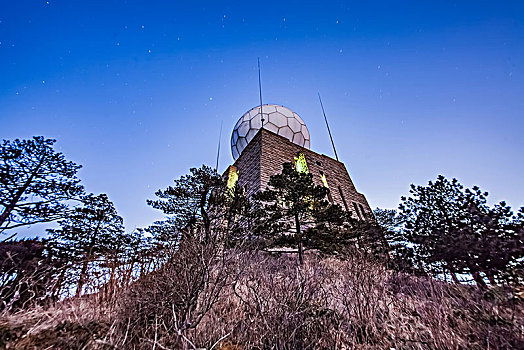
268,136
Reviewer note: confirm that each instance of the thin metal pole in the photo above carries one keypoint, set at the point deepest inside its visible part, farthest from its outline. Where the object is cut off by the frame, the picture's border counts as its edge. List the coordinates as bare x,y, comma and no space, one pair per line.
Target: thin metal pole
260,91
219,137
327,124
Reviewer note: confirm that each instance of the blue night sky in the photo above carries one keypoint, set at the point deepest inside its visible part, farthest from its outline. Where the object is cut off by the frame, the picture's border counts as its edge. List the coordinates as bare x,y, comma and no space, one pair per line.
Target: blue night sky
135,91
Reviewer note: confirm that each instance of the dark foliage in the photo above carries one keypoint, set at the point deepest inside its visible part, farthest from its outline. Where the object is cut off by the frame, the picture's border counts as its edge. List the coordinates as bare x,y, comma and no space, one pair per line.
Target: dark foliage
201,202
290,205
454,231
24,274
189,202
91,232
35,183
400,254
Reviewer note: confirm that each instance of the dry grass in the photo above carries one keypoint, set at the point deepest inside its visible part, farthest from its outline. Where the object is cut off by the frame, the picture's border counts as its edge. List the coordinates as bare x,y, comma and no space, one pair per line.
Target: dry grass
78,323
253,300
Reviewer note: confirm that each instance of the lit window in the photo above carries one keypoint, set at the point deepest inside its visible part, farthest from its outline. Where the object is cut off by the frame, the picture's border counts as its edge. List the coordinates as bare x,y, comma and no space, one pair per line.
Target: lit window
324,180
301,164
232,178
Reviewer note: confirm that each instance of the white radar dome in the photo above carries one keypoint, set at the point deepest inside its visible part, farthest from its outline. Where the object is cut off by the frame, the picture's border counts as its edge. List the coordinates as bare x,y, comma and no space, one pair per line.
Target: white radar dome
278,119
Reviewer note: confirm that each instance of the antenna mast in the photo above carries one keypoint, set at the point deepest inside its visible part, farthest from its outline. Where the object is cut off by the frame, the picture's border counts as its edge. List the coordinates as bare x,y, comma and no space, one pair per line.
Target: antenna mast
219,137
329,131
260,91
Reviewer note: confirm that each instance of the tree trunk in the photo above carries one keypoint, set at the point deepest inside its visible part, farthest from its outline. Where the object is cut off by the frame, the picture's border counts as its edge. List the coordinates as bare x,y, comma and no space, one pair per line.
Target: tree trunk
205,216
55,292
491,278
19,193
477,277
299,238
454,277
452,273
81,280
88,256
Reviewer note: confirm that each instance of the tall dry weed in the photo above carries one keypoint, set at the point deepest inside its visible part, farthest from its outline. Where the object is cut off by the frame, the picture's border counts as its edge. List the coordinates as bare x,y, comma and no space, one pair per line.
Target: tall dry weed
256,300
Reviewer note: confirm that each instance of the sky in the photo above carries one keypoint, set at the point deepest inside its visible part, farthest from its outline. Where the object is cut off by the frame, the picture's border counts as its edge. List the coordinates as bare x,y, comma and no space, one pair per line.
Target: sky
135,91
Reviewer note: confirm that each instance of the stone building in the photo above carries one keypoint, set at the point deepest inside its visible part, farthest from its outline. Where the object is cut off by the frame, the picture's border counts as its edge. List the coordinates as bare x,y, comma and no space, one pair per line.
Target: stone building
260,151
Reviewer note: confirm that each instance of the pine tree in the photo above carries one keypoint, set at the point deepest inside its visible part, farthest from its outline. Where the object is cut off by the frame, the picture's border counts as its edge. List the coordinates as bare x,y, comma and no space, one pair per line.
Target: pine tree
200,202
454,231
36,182
92,231
189,202
290,205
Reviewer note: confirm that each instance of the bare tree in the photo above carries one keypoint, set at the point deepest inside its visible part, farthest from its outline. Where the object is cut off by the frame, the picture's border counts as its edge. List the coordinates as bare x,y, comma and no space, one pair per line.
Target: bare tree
166,304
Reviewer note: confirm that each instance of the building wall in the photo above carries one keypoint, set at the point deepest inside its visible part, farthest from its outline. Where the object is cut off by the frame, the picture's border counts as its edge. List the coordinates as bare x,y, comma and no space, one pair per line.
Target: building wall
265,155
248,166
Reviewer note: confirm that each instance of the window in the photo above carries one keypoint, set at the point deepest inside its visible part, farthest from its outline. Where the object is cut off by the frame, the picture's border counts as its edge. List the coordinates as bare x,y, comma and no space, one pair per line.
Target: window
324,182
357,211
343,199
362,210
232,178
301,164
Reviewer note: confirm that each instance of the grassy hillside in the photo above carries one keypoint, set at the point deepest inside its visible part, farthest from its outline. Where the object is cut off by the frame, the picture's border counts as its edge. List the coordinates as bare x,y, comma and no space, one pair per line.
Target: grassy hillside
244,299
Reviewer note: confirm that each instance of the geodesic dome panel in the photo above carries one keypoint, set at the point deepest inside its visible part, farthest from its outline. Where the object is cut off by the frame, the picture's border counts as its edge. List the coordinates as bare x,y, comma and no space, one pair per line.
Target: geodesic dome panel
278,119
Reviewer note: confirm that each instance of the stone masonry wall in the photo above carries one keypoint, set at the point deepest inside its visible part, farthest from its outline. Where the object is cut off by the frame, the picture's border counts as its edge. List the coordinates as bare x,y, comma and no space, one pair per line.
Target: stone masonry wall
248,166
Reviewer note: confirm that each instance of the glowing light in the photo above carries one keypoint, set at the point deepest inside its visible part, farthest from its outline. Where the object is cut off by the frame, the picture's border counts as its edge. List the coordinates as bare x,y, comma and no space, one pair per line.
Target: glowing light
232,178
324,180
301,164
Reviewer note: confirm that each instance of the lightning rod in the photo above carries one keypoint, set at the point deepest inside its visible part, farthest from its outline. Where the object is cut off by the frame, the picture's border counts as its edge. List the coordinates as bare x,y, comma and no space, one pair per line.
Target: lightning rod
327,124
260,92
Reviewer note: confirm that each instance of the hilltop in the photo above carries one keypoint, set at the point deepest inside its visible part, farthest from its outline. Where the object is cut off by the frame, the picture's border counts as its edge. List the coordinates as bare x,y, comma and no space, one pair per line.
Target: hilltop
246,300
